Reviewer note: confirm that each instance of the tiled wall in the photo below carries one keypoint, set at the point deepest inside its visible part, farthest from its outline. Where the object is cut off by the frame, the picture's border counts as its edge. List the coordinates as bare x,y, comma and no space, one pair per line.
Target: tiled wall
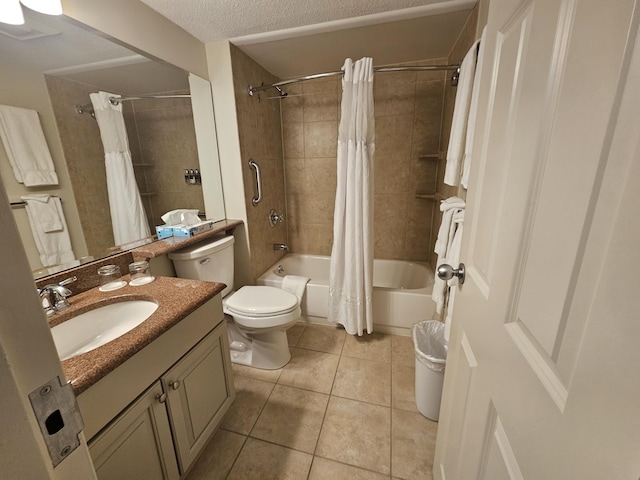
162,143
460,49
84,155
408,111
260,139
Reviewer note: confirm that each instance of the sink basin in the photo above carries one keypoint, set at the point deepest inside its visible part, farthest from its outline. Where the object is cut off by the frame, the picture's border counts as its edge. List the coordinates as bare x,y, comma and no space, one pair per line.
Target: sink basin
94,328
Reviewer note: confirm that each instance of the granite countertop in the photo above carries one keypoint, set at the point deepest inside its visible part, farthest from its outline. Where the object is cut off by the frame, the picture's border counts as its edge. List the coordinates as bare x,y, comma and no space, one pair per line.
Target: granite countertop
171,244
176,298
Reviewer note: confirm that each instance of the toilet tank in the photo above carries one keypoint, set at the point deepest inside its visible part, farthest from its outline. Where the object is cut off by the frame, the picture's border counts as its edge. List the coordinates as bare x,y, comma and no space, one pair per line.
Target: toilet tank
210,260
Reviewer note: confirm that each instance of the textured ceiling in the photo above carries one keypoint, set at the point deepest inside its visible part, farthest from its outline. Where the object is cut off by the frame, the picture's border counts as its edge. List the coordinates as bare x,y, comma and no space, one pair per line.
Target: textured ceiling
210,20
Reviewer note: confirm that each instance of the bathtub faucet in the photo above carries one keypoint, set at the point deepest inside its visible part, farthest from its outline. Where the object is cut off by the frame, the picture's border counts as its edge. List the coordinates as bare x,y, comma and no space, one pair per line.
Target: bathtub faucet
280,246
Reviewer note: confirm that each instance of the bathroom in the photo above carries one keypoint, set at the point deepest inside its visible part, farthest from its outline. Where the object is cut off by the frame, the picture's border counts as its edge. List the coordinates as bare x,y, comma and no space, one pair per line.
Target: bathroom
399,198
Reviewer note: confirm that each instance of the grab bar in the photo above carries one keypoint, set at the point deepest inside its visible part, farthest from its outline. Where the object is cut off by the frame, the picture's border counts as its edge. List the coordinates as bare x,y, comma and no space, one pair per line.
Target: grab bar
256,200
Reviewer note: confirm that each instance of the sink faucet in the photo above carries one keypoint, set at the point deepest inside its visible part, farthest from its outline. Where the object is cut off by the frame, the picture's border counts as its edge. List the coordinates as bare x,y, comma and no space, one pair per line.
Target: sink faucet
280,246
54,296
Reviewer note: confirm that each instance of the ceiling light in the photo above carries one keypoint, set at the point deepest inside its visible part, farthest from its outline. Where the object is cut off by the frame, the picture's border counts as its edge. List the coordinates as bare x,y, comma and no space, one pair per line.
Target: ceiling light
10,12
49,7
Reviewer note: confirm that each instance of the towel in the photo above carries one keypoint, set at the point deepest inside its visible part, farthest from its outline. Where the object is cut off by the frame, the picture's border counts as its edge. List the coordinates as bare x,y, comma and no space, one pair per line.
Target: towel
295,284
448,207
44,210
473,113
26,147
459,123
451,256
54,246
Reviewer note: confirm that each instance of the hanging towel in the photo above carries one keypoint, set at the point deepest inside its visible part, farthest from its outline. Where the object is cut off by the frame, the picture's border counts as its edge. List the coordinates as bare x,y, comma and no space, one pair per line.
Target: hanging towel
473,113
459,123
26,147
295,284
448,207
54,246
451,257
44,210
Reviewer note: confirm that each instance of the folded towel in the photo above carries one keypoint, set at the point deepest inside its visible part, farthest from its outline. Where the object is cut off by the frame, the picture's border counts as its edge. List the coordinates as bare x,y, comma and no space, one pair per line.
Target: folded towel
54,247
295,284
459,122
26,147
473,113
45,211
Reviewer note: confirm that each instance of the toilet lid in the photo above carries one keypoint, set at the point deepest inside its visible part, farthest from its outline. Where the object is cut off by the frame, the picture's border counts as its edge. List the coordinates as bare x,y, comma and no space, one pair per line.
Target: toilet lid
260,301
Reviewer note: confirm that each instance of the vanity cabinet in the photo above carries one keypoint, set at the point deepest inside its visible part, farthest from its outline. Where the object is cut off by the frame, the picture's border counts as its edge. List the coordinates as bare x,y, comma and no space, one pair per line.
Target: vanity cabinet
158,434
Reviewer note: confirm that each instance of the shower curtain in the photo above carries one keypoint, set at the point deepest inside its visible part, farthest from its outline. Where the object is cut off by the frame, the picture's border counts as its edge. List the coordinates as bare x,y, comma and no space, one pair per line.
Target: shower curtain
351,272
127,213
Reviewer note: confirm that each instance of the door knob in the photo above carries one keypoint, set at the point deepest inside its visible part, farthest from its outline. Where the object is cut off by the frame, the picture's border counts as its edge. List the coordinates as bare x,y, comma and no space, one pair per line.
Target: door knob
447,272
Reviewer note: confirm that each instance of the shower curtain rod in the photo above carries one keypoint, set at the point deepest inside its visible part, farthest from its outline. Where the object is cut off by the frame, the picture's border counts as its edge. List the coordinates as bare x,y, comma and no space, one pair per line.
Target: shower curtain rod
88,107
454,78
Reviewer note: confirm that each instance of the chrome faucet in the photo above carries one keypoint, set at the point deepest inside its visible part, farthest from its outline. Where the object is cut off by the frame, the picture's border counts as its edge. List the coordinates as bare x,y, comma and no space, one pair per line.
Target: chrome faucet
54,296
280,246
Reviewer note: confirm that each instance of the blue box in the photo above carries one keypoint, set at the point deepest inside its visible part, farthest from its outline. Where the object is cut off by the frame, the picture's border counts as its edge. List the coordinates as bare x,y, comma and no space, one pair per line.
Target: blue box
164,231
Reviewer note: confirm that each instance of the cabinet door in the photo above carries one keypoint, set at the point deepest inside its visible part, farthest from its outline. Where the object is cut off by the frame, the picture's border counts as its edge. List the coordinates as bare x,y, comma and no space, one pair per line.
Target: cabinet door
197,388
138,443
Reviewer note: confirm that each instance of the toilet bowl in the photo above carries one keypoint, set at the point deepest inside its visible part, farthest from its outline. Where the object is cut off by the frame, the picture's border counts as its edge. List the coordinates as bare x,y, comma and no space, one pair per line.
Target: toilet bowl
257,316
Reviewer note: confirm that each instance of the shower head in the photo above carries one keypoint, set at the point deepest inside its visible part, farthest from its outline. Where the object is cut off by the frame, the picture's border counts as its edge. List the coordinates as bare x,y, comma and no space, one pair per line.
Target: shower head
282,94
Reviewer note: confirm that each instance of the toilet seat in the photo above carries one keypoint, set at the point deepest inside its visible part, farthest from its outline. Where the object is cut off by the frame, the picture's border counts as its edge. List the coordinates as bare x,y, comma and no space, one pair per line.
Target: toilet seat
261,301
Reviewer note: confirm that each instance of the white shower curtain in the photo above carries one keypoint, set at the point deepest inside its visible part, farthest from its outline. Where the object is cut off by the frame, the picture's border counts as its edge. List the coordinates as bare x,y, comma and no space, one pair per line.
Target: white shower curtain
127,213
351,273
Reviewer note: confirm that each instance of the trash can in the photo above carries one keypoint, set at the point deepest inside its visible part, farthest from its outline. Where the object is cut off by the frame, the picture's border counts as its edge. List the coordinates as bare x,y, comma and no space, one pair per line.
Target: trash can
431,356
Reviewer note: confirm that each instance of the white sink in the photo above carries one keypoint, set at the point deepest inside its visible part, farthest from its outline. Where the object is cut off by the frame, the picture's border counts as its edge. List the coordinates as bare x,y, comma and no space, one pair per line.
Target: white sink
94,328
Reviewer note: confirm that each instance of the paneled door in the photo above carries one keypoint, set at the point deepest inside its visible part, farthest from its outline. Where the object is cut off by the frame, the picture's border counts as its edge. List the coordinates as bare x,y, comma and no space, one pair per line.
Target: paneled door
544,356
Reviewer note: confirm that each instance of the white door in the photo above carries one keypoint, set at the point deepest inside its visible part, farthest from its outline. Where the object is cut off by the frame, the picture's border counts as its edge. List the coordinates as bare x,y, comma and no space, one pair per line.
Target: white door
542,374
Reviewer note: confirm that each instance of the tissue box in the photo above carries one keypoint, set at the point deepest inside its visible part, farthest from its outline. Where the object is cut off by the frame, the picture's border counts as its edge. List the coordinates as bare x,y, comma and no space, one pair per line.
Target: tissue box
191,230
164,231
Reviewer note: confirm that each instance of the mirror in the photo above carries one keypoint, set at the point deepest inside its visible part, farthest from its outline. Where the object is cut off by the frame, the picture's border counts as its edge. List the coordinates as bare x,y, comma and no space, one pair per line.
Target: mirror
51,65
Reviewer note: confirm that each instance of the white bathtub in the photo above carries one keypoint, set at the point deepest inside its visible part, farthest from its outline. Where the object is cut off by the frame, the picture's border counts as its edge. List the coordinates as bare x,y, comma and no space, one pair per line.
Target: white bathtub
401,290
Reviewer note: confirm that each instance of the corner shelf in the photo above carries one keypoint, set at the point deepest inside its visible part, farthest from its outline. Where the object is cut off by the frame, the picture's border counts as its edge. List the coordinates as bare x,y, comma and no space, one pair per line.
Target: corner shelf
429,195
429,156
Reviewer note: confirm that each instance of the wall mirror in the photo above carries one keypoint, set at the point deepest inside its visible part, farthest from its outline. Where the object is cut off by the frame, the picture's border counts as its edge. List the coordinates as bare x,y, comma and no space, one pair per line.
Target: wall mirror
51,65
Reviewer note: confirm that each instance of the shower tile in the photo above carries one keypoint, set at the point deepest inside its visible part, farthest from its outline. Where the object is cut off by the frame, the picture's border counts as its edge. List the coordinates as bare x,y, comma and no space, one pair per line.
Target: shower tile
294,172
292,106
402,350
293,140
323,338
322,469
356,433
319,239
251,395
218,456
413,445
294,333
374,346
321,139
363,380
394,135
260,460
292,418
394,93
296,234
310,370
321,175
256,373
417,246
320,101
403,387
392,174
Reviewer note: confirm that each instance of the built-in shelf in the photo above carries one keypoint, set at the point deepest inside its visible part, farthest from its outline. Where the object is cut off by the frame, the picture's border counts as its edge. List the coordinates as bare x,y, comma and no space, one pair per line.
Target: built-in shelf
148,194
429,195
429,156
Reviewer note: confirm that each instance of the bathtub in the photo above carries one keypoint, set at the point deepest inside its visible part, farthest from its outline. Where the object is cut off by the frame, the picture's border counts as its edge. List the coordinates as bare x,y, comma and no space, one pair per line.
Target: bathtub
401,290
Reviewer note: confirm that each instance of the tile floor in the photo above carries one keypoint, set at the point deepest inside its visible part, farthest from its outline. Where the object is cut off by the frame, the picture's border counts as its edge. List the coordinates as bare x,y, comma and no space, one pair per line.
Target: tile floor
343,408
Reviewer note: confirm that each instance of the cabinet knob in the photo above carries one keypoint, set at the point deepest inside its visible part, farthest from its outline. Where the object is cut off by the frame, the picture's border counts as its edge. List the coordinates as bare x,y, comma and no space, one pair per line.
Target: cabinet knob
175,385
161,397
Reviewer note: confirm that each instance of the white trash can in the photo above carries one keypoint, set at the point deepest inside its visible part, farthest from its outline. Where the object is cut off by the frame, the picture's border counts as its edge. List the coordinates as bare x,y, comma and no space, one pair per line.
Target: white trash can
431,356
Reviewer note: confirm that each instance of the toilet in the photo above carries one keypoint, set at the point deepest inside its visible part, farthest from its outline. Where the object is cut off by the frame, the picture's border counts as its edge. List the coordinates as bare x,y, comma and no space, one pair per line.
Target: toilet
257,316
